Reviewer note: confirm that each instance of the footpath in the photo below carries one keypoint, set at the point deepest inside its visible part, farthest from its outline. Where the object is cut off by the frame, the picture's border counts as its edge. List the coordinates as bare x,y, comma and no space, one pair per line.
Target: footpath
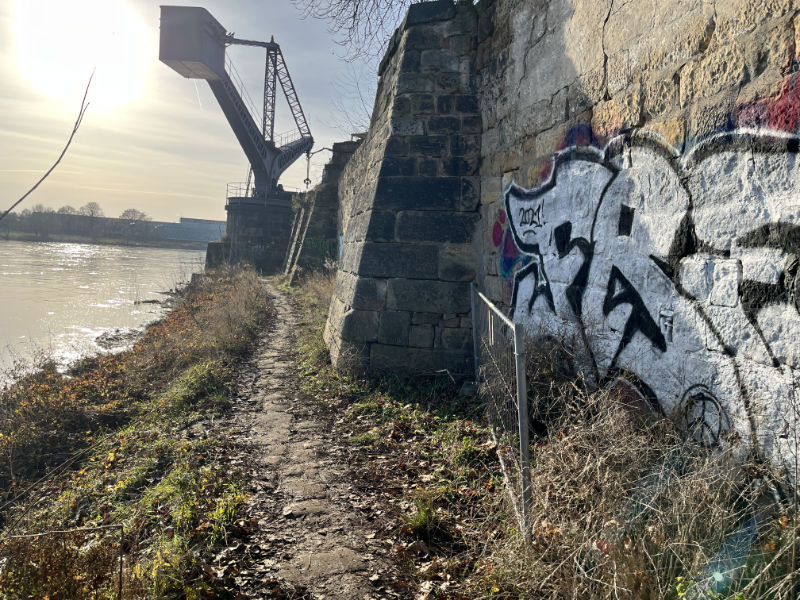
314,532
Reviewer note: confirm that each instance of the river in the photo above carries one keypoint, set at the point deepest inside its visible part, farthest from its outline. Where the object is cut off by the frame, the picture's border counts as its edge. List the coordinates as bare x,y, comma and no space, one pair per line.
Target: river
65,301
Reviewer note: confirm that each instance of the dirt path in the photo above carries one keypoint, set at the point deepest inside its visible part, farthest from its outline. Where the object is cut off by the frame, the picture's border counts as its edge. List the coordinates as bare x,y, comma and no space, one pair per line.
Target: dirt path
316,534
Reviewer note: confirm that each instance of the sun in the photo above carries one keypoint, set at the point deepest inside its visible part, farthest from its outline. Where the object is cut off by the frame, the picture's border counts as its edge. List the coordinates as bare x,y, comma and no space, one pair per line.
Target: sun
60,43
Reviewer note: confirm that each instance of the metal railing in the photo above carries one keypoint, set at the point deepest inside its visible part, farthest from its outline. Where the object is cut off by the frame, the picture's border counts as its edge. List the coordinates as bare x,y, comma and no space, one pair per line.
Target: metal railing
240,87
499,346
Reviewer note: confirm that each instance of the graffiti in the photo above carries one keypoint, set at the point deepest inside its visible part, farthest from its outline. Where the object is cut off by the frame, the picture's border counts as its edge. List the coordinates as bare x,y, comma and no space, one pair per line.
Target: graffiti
510,256
703,416
683,270
531,216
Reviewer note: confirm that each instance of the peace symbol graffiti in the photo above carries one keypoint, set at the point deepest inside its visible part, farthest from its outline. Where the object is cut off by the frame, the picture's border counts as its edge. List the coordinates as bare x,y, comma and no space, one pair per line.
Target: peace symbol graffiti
703,417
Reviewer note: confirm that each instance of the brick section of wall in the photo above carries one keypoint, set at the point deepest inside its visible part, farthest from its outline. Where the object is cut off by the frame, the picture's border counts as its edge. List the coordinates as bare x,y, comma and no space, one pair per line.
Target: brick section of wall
408,202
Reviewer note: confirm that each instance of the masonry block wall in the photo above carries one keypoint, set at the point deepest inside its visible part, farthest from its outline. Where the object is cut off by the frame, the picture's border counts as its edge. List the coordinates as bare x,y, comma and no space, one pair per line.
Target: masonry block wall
409,199
640,198
319,241
621,175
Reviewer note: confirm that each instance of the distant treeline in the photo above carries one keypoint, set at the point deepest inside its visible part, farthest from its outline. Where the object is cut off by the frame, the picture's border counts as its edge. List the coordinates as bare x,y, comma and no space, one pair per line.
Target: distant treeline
132,225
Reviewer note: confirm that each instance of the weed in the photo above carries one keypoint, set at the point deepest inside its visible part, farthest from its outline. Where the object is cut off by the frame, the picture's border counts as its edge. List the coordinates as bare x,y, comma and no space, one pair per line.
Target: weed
624,505
145,451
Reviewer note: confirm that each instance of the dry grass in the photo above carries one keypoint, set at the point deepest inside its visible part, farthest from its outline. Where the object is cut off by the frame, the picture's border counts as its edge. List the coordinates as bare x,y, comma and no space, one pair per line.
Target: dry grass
625,506
135,440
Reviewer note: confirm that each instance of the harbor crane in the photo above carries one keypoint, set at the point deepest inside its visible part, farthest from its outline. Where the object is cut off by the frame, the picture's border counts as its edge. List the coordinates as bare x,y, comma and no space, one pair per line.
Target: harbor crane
193,43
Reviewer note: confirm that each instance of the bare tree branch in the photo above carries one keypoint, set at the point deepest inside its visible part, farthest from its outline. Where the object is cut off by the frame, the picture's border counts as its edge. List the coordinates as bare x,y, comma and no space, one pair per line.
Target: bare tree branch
81,112
364,27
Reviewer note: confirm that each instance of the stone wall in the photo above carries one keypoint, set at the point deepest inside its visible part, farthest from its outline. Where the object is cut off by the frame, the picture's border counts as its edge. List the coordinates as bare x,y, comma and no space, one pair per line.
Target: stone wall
257,233
623,176
639,198
316,234
408,201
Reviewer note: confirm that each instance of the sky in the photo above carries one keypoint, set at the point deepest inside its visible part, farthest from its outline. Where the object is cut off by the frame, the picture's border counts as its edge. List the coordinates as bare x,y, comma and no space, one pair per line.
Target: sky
150,139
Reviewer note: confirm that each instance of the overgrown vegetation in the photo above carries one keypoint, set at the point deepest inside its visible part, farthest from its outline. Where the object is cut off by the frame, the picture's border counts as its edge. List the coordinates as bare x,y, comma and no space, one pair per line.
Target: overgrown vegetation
136,463
625,504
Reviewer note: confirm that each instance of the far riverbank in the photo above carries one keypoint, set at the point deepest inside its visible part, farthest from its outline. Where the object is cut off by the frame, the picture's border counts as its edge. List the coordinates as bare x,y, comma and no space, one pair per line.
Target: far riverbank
19,236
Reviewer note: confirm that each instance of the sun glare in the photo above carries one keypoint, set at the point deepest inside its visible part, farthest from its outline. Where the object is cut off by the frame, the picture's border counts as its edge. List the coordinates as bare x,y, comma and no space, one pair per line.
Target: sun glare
59,44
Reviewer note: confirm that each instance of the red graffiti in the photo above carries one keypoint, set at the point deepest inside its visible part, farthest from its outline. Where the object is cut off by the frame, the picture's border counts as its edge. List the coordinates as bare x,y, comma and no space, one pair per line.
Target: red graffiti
779,114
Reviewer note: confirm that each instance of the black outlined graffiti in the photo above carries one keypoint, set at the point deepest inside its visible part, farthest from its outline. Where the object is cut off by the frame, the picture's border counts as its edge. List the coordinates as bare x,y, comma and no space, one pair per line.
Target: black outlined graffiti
564,244
541,287
703,416
756,295
639,320
657,232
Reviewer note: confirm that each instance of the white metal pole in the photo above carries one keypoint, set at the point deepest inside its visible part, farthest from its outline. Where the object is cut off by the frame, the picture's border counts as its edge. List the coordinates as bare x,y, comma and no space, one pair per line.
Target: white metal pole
524,441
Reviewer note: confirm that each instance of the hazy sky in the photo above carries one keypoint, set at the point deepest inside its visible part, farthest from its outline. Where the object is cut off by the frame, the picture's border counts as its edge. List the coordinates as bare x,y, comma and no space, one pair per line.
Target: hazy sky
150,139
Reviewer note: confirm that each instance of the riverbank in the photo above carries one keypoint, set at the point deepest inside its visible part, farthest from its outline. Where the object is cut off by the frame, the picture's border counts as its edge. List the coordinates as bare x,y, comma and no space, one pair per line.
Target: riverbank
124,454
19,236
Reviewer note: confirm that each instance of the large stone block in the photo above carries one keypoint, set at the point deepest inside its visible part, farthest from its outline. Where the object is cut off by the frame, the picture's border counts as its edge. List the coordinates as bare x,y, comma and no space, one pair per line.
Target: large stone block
456,338
368,294
428,296
398,359
423,38
458,166
457,263
421,336
428,145
443,125
465,145
413,82
360,326
394,259
398,167
380,226
430,226
429,12
419,193
394,327
440,61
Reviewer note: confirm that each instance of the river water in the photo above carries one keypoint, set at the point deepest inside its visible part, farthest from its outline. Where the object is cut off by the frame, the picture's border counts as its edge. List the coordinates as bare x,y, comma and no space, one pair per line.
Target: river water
65,301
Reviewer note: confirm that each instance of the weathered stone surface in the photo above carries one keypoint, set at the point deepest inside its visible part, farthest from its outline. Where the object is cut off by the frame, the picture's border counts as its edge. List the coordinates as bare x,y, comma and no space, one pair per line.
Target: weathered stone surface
439,61
414,82
428,12
457,263
427,296
457,339
433,226
368,294
394,327
419,193
400,166
423,318
421,336
395,259
360,325
398,359
408,199
428,145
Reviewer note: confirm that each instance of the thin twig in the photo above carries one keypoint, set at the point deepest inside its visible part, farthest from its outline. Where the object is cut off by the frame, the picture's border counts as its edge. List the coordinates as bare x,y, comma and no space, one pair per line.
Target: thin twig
81,112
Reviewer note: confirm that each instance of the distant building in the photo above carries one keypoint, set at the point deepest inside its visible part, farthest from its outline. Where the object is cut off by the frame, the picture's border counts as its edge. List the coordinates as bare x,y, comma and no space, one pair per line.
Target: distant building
189,230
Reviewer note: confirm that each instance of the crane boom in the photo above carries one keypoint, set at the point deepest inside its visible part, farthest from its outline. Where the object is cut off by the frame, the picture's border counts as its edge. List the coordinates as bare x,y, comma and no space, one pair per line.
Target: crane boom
193,43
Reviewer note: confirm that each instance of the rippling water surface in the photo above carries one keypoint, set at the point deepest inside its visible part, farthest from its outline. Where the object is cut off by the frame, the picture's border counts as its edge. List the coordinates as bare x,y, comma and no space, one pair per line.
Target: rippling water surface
64,300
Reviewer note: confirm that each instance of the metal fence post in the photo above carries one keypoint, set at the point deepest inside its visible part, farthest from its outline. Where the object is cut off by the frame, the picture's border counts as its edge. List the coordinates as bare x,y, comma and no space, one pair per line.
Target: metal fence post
475,333
524,441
